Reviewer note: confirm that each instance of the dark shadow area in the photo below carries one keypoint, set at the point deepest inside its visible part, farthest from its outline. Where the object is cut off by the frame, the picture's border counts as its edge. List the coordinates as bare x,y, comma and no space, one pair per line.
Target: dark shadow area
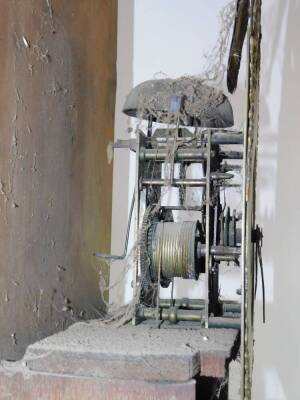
211,388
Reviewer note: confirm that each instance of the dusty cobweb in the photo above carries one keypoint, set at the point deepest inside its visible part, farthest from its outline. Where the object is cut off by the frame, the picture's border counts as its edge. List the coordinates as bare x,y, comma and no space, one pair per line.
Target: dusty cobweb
201,93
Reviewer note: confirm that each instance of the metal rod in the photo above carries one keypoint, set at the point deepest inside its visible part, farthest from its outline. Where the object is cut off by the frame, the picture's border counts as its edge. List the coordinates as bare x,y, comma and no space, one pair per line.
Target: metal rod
243,246
179,155
231,307
136,265
226,138
225,251
231,315
184,303
227,258
115,257
174,315
199,304
183,208
149,129
173,153
176,182
207,229
228,323
186,182
171,314
231,155
186,154
221,251
221,138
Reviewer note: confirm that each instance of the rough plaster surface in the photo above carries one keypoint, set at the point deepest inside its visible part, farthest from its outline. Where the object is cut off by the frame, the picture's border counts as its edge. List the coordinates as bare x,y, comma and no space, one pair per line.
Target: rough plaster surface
141,352
57,86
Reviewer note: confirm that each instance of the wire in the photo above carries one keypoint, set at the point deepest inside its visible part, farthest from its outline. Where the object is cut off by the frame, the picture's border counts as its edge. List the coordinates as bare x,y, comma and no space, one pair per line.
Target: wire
258,261
262,282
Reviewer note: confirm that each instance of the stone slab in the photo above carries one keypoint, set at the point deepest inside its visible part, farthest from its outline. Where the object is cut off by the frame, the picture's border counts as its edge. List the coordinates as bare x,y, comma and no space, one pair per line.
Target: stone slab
19,383
141,353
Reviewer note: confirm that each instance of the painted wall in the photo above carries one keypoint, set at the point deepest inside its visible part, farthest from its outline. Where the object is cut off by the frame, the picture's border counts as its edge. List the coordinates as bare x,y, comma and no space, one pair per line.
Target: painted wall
122,179
57,95
171,36
277,346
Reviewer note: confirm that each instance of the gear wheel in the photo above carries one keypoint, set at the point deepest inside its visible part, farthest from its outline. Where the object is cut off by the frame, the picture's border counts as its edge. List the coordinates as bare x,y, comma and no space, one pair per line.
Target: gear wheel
150,217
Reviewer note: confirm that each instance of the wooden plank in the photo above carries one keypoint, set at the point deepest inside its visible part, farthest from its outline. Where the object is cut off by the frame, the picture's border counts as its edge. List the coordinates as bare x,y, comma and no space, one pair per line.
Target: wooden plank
57,85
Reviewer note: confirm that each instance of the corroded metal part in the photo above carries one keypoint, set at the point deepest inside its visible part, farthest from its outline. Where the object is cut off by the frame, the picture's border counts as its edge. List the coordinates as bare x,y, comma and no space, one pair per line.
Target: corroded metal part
221,251
198,304
236,48
174,246
162,137
174,315
185,154
250,163
152,98
185,303
187,182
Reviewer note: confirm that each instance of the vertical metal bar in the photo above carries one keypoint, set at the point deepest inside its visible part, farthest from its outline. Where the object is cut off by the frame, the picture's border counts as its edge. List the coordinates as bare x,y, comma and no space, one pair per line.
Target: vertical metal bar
207,228
243,265
215,224
137,224
243,244
149,129
172,159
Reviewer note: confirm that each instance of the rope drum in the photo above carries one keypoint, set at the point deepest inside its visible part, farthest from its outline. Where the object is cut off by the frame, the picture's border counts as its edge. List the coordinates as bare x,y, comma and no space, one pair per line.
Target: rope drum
173,250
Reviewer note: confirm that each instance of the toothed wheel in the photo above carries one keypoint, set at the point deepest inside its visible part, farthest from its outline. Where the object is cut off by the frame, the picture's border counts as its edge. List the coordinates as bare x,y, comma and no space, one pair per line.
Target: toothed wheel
150,217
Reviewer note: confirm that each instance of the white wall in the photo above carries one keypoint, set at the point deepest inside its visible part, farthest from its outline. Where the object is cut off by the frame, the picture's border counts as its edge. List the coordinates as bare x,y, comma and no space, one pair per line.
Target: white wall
277,354
171,36
121,157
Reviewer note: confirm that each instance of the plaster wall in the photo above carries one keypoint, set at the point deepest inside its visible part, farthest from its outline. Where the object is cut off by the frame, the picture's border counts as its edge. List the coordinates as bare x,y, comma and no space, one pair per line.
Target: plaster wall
171,37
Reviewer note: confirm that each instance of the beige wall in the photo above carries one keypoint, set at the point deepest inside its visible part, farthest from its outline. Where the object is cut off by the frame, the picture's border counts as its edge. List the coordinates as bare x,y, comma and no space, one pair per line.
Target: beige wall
57,94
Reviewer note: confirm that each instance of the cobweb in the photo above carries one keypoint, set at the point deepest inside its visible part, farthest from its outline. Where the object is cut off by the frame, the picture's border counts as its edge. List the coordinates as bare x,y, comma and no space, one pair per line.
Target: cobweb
202,92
